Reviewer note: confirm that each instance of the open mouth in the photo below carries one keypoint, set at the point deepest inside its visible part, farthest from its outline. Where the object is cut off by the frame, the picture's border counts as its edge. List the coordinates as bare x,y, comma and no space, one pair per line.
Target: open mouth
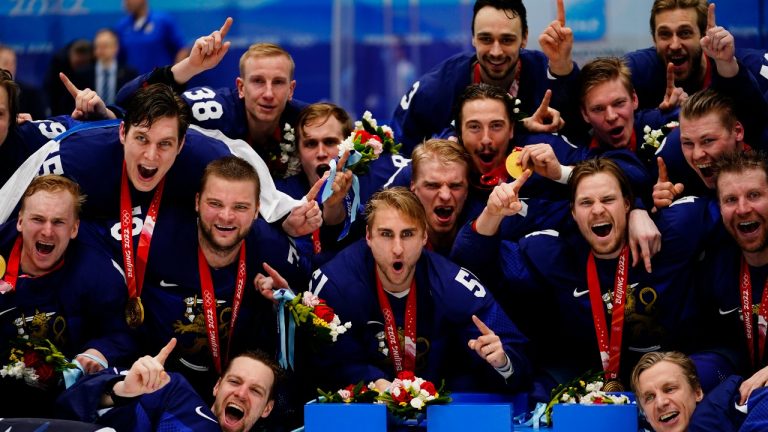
706,170
233,413
224,228
678,60
146,172
748,227
44,248
397,265
668,416
321,169
486,157
444,213
602,229
618,130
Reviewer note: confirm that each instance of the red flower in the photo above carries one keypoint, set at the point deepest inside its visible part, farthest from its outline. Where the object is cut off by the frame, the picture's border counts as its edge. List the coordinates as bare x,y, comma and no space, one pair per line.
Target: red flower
324,312
403,396
429,387
406,375
32,359
350,388
45,372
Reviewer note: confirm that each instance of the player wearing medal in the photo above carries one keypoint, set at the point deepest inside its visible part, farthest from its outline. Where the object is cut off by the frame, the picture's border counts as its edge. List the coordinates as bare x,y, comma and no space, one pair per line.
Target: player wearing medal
585,305
499,36
256,110
146,397
453,329
735,270
57,288
199,280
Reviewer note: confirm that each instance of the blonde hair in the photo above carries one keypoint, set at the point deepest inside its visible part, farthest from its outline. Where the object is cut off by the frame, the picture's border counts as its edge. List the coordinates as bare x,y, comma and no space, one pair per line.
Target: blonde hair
442,150
400,199
55,183
259,50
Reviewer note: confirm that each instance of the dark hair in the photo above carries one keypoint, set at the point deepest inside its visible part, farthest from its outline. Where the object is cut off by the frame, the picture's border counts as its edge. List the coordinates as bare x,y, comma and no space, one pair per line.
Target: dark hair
232,168
7,82
154,102
268,361
708,101
601,70
514,7
590,167
482,91
701,7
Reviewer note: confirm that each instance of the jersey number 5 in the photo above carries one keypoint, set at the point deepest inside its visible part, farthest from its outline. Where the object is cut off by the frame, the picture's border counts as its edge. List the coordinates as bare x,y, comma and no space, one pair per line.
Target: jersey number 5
473,285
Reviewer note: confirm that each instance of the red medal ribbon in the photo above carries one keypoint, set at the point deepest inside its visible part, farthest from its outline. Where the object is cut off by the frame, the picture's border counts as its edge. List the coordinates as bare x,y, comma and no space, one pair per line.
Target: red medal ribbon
632,146
316,241
402,359
14,262
494,177
609,355
209,305
745,285
707,74
477,78
134,268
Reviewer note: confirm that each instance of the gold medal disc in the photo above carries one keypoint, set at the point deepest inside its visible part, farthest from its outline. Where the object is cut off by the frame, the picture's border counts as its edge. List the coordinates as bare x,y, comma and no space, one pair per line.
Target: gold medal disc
134,312
513,168
2,266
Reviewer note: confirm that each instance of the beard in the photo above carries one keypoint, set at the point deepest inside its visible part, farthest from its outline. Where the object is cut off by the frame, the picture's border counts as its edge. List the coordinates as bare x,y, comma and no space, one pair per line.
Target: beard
211,242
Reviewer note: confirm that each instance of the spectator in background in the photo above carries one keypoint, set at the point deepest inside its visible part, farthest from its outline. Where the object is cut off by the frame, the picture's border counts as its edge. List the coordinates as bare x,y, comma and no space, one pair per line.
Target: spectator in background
31,99
105,75
74,57
149,39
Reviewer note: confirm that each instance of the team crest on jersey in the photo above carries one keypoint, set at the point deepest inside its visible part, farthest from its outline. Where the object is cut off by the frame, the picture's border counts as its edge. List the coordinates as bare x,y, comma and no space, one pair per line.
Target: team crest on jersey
41,325
193,324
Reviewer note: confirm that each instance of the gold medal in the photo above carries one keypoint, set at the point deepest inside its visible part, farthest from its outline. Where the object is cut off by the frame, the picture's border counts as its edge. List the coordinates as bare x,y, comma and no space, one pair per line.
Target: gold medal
134,312
513,168
613,386
2,266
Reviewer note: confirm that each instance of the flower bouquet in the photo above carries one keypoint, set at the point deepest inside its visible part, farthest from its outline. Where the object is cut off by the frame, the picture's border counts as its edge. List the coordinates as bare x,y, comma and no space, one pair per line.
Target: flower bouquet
283,160
37,361
652,139
408,396
584,390
310,311
353,393
366,143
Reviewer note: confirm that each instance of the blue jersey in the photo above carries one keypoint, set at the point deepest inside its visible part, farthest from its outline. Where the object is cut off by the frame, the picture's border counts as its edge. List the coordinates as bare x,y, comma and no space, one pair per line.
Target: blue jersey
447,297
426,109
223,109
150,43
175,407
749,87
383,172
546,275
92,155
27,138
78,306
173,298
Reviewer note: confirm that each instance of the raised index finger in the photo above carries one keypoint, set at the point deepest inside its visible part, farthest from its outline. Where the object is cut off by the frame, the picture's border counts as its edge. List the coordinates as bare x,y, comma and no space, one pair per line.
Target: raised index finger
519,182
166,351
663,176
711,16
225,28
315,189
561,12
68,84
670,78
544,106
481,326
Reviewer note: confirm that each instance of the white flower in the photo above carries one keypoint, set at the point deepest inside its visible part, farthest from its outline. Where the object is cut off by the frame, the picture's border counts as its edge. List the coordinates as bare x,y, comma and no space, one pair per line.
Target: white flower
516,110
594,386
388,131
417,403
369,117
345,394
284,158
371,385
348,324
517,102
310,300
395,391
346,145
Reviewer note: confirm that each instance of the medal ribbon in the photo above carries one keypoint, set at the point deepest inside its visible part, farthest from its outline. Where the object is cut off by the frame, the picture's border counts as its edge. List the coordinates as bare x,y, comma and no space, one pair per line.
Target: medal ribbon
400,360
610,349
316,245
632,145
14,262
745,285
209,305
134,268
